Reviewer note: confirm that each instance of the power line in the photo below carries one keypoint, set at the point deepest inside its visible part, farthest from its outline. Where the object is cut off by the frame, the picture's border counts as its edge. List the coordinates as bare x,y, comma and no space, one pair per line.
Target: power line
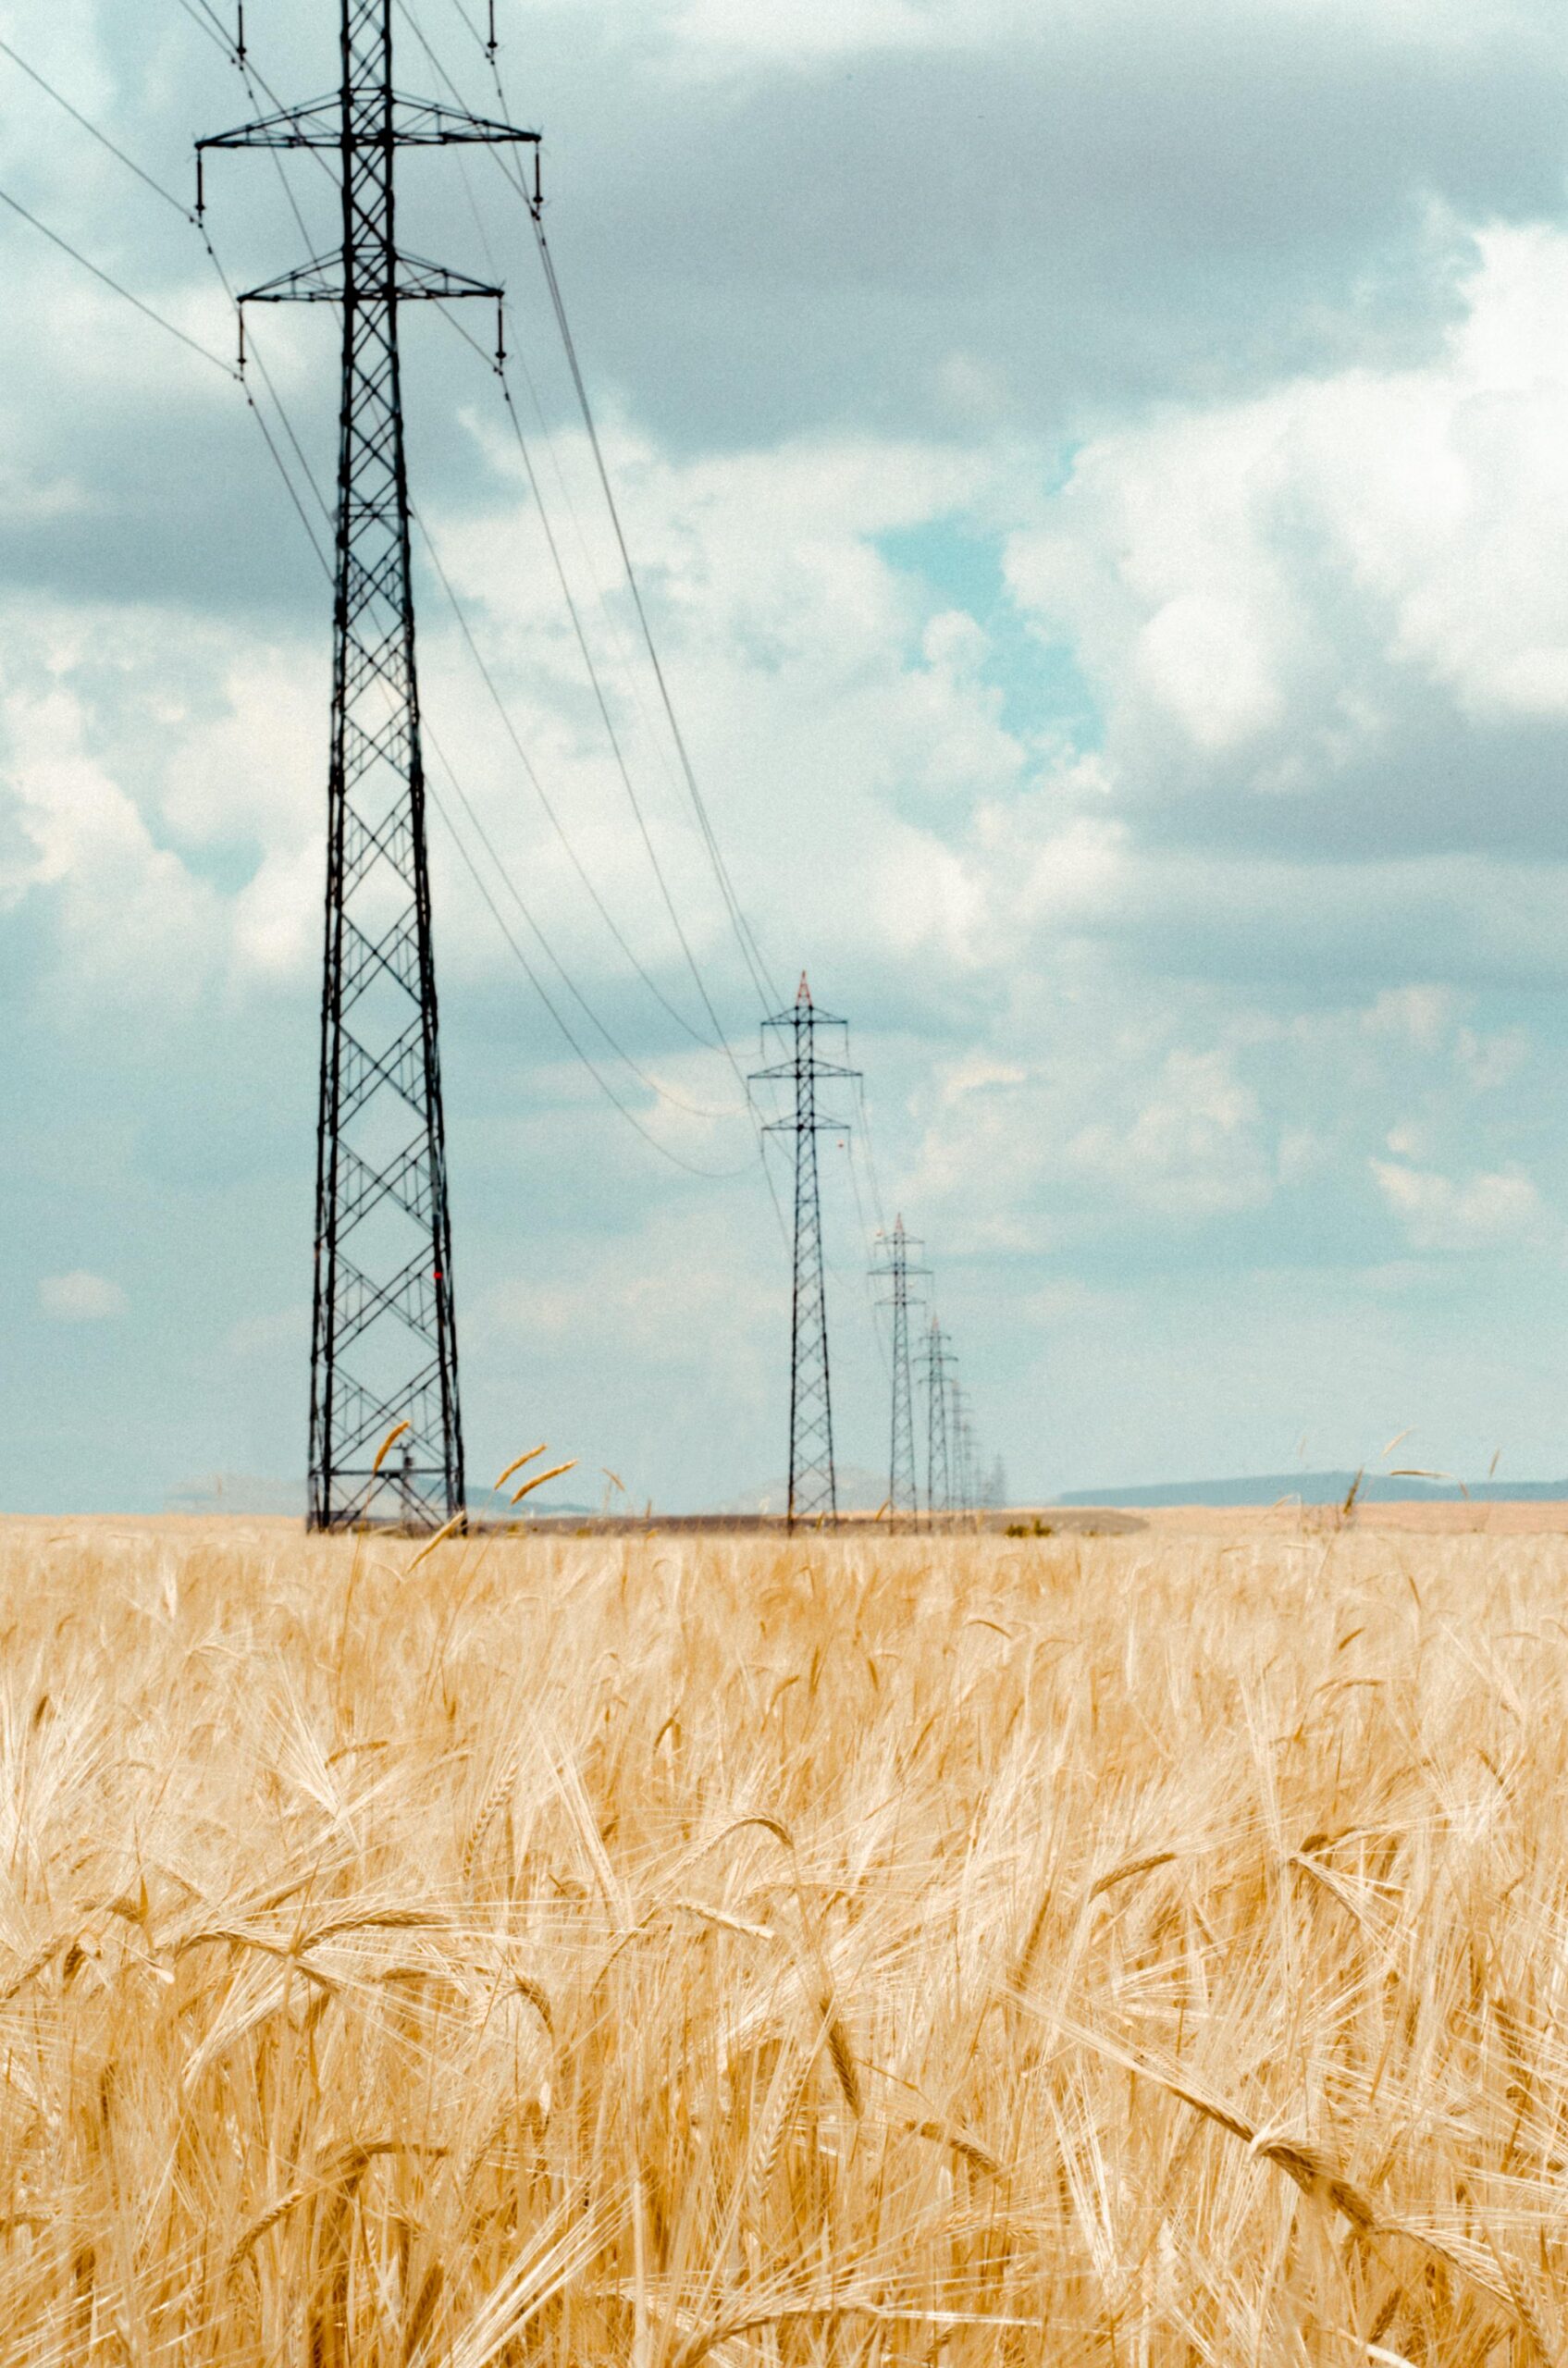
664,1093
213,33
94,133
238,375
217,21
613,736
867,1235
472,28
509,726
710,1175
568,596
744,936
864,1134
504,164
519,189
121,156
108,280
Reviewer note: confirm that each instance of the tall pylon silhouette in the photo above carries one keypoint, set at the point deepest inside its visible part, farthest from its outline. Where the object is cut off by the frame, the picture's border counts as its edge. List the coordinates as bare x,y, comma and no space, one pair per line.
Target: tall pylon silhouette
939,1362
903,1488
384,1334
813,1489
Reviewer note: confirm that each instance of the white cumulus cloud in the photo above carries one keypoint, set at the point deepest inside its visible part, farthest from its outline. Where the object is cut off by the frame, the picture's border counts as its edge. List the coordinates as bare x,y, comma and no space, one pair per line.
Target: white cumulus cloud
79,1298
1488,1212
1271,581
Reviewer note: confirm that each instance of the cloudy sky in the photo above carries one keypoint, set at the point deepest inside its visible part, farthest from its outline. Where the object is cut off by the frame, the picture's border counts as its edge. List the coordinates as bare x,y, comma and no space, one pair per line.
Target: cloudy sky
1100,473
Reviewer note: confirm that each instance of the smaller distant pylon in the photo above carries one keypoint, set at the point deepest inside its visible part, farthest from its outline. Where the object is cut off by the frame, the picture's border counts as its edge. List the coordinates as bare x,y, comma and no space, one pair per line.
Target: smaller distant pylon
939,1361
897,1269
813,1488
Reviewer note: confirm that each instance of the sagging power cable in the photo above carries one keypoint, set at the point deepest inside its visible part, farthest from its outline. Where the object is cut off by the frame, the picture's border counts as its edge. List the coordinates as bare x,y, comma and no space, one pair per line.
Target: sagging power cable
238,375
509,726
118,287
574,611
630,1115
744,936
767,989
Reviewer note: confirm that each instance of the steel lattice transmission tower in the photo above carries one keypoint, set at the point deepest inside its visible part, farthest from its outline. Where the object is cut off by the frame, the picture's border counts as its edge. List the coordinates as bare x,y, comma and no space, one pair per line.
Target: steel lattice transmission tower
960,1431
814,1493
384,1340
939,1362
903,1488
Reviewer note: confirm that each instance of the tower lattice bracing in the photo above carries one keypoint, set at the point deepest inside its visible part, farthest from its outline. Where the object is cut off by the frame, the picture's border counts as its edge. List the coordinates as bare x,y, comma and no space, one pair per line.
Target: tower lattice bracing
814,1492
384,1337
961,1447
896,1270
939,1475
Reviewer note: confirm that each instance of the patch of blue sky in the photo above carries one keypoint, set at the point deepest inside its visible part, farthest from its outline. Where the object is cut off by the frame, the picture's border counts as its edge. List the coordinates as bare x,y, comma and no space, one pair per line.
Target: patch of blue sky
1044,694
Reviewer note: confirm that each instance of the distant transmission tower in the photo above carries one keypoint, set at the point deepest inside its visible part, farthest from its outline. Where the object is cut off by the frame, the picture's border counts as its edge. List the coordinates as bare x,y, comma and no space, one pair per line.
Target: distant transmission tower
384,1339
814,1493
961,1435
903,1490
939,1475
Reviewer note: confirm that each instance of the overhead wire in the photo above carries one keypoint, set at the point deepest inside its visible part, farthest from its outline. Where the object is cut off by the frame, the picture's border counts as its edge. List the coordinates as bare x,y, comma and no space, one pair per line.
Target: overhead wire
216,23
509,727
767,989
744,936
502,159
751,952
868,1272
712,1175
93,130
505,713
478,38
569,597
555,1014
768,993
187,213
611,734
663,1093
148,312
212,31
254,78
237,373
498,365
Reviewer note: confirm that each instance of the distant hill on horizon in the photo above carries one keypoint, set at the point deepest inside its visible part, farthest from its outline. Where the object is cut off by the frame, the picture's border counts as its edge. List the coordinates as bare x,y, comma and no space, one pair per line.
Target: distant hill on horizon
1323,1488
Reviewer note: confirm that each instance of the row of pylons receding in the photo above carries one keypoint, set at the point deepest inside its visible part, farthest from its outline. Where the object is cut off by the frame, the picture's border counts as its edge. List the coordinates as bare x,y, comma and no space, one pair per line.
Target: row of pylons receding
954,1485
384,1338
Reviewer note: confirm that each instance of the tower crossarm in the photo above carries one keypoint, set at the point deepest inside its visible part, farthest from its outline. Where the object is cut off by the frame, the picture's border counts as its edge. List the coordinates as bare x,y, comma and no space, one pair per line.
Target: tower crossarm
415,282
899,1266
817,1122
413,123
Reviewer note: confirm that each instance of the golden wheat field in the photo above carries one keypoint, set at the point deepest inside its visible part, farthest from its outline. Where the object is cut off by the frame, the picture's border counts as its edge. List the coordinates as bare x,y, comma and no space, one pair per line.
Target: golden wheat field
1145,1949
